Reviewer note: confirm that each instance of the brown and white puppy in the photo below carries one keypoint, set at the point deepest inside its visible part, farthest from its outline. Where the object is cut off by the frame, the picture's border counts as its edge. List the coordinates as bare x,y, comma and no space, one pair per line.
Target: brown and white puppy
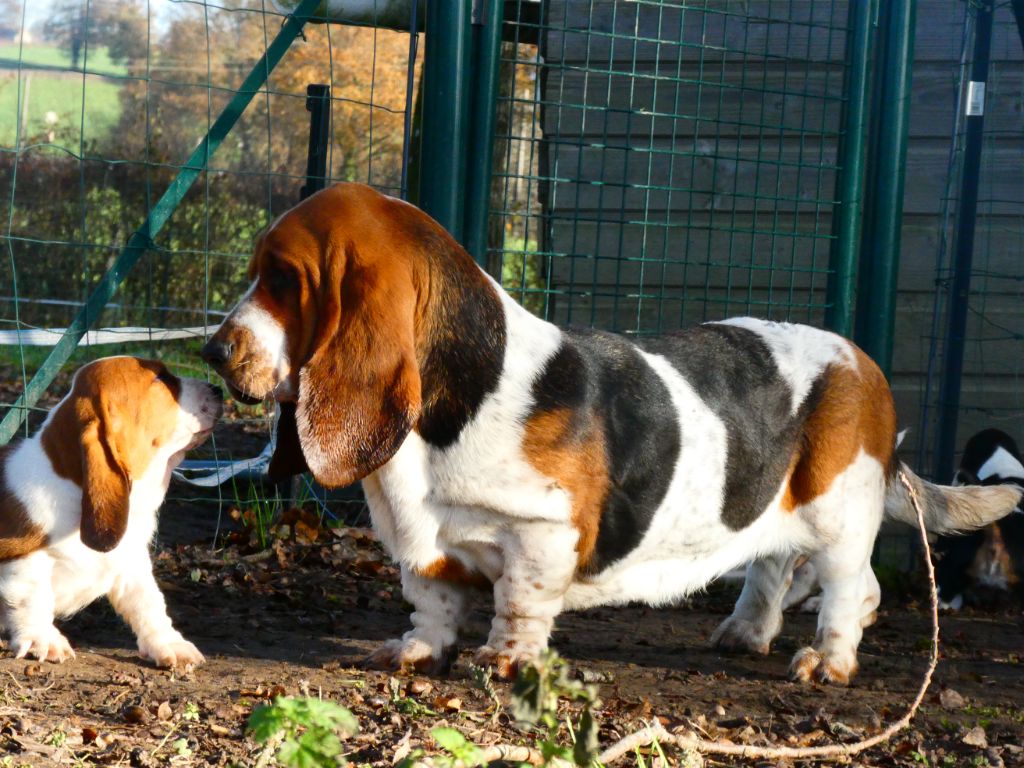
79,501
567,468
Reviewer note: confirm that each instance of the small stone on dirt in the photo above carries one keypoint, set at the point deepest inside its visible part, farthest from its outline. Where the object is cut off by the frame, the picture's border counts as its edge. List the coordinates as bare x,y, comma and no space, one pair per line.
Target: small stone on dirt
164,711
594,676
976,738
419,687
950,699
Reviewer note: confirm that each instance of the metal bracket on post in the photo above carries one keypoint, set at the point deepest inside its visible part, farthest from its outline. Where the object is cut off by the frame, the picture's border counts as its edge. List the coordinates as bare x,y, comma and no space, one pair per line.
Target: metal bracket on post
318,104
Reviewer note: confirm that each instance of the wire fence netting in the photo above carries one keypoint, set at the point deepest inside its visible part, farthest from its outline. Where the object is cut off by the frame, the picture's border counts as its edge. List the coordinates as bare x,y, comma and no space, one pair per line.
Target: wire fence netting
100,104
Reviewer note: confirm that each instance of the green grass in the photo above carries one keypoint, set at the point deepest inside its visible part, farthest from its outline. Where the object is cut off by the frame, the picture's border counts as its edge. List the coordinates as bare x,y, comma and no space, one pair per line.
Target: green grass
180,355
57,92
51,56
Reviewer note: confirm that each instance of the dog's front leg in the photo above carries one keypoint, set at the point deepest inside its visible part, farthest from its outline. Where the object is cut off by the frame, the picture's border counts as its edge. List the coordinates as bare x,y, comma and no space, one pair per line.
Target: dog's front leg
139,601
430,645
539,564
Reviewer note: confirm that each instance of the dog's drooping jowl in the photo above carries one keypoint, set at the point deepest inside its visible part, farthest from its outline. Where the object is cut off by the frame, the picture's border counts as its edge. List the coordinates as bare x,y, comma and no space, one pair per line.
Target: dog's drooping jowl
994,556
564,468
79,501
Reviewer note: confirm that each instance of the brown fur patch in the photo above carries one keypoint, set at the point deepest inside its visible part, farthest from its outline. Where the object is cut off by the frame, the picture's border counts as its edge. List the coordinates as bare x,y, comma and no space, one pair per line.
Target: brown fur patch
569,447
389,320
855,412
19,536
993,559
452,570
106,433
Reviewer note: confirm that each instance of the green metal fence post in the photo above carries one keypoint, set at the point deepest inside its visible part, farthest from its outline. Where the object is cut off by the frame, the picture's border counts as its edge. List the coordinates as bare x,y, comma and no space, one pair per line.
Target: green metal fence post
486,63
445,133
880,243
158,216
846,219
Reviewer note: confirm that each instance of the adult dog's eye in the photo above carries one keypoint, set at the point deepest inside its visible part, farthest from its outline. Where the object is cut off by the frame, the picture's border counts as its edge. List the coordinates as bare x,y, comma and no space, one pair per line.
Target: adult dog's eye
279,281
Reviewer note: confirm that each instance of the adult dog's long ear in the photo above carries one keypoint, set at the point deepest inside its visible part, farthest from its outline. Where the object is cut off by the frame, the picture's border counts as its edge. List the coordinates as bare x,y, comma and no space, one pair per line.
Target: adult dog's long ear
359,390
287,460
106,485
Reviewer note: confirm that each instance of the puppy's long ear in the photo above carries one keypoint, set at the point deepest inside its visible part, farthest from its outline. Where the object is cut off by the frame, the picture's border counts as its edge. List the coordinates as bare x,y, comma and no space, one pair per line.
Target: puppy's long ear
106,485
359,391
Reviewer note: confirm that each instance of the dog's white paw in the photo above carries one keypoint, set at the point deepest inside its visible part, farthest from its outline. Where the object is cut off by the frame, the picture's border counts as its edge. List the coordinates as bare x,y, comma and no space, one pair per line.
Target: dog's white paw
739,635
836,666
412,653
173,653
509,655
45,644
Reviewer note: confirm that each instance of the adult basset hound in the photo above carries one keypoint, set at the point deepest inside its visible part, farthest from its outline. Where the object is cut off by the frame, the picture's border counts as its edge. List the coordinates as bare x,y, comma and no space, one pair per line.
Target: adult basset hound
79,501
566,468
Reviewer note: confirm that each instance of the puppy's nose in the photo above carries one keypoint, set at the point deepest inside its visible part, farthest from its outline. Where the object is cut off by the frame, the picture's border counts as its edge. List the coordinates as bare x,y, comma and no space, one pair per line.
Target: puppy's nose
216,352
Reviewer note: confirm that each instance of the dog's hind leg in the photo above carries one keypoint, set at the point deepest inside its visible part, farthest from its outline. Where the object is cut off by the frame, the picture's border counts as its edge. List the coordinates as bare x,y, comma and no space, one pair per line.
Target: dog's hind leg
804,584
26,585
757,618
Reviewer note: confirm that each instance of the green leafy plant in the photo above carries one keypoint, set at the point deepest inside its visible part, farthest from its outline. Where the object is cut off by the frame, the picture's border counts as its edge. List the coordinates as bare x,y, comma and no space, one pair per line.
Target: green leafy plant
306,729
482,678
56,737
460,750
535,697
406,705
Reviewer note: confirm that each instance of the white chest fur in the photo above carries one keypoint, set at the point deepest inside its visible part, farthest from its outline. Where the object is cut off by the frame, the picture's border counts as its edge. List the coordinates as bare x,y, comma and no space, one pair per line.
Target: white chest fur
81,574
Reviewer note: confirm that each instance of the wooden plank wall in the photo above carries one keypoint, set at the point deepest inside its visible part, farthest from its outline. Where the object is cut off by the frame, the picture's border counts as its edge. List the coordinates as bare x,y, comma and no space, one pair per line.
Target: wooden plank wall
691,152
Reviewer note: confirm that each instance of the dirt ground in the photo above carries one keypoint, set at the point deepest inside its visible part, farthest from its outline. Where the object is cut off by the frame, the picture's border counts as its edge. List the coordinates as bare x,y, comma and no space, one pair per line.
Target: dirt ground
297,619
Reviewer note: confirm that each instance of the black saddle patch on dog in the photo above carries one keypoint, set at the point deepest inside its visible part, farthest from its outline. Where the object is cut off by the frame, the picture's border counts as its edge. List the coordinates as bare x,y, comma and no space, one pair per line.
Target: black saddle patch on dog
733,371
598,373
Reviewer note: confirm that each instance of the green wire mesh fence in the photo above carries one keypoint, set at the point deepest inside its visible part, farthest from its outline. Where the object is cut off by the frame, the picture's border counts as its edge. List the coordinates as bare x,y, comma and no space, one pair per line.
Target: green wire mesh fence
100,105
992,385
663,163
655,164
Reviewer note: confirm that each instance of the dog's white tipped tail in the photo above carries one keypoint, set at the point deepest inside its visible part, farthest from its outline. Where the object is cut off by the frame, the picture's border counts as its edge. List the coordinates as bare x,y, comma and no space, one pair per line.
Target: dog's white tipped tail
948,509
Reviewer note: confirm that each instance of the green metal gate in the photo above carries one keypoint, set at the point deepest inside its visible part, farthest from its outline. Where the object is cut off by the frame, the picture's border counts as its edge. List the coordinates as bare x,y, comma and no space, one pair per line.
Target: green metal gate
637,165
657,163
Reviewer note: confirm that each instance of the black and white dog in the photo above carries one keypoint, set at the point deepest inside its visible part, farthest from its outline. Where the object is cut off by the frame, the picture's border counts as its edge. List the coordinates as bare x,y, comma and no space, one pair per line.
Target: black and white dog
992,557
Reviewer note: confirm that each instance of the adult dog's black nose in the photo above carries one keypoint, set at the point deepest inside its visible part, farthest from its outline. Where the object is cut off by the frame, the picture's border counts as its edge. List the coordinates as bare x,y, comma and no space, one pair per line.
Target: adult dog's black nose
216,352
217,392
